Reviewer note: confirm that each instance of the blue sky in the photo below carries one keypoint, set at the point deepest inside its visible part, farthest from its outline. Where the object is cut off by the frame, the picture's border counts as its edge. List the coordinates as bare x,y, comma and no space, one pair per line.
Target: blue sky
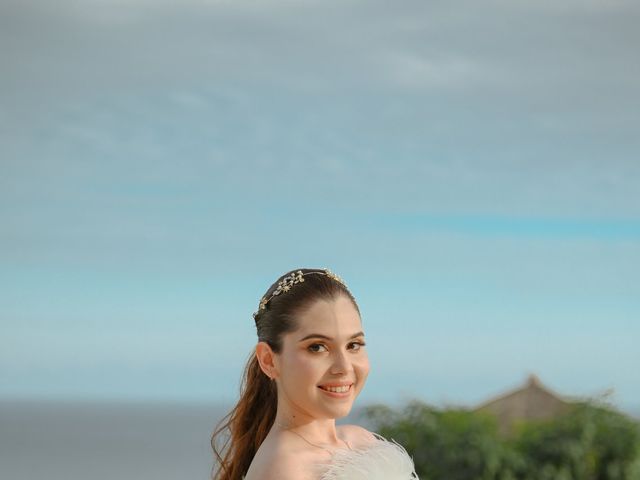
469,169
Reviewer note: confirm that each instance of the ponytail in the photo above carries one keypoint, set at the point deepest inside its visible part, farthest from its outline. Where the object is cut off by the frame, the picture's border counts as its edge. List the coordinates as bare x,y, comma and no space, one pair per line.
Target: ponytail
247,424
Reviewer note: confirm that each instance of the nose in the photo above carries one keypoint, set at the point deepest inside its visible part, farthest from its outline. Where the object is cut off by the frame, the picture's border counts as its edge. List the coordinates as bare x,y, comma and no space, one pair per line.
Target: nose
341,363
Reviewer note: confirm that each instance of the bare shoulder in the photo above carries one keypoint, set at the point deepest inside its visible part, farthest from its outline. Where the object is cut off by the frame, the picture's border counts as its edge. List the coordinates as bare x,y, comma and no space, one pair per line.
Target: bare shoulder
287,466
356,435
280,461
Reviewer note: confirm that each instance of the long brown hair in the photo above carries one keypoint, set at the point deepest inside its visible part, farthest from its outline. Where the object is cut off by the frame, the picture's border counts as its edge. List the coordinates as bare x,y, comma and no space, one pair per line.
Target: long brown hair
240,433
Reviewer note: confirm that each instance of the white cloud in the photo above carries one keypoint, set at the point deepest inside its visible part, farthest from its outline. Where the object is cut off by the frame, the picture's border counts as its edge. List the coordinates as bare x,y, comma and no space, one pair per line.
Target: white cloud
413,71
568,6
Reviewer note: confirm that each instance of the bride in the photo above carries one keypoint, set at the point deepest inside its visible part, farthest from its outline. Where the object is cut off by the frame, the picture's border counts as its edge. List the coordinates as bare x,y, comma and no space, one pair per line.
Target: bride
309,365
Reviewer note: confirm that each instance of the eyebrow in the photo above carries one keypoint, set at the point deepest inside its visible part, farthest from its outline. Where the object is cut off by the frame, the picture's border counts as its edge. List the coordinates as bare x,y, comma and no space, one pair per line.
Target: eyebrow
319,335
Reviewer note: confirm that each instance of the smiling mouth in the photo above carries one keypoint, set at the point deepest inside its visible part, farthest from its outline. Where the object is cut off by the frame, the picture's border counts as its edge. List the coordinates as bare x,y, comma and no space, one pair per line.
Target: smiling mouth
341,389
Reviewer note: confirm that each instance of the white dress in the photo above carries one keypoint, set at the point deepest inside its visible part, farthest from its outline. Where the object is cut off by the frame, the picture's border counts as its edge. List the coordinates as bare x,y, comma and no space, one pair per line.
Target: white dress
380,460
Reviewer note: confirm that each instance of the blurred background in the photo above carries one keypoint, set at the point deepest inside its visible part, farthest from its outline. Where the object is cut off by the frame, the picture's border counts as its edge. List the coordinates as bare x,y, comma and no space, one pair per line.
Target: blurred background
469,168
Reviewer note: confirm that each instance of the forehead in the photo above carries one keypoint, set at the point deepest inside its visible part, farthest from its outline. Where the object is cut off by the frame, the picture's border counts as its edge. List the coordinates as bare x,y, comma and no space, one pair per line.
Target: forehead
333,318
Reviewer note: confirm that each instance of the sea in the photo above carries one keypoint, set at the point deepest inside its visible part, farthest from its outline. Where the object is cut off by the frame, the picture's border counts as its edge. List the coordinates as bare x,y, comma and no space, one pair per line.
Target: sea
108,440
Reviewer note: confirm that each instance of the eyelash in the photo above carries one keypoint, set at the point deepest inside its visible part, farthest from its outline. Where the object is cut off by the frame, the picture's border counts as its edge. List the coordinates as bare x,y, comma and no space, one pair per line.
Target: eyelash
310,347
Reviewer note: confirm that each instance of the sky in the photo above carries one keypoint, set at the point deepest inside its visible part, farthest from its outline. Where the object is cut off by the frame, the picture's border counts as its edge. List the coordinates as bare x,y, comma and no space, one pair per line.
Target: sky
469,168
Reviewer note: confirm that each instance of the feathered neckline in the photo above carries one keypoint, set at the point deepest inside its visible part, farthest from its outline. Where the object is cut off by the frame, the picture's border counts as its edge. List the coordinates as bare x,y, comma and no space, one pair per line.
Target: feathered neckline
379,460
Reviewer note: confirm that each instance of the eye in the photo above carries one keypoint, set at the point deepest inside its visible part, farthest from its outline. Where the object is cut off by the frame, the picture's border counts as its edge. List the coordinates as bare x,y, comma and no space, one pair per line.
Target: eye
317,348
356,345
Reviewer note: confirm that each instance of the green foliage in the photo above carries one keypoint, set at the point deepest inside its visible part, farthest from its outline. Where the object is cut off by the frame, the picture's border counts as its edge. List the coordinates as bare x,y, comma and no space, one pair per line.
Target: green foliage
590,442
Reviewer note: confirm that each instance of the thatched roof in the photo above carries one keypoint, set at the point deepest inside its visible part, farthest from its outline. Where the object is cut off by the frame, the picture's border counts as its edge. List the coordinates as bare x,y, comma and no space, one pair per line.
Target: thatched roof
532,401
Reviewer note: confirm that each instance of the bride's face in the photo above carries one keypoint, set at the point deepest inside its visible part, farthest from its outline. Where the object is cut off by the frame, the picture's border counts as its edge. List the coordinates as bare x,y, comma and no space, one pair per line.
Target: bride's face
323,365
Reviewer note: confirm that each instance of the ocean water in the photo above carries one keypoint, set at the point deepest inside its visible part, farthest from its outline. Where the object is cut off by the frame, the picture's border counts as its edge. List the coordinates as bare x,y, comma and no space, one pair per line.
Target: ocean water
109,441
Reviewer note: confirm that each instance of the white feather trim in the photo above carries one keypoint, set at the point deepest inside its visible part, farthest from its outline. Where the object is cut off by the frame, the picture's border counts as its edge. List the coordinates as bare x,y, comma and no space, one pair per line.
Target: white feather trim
381,460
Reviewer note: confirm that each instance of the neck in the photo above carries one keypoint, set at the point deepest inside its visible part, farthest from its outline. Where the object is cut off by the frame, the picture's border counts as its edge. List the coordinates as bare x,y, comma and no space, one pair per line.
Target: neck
322,431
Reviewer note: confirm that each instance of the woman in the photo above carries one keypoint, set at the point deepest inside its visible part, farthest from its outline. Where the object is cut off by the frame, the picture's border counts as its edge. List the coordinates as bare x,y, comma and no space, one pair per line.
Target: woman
309,365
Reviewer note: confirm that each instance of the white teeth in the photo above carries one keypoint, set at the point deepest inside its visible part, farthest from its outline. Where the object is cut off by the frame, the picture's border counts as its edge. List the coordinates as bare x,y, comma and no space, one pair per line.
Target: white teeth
343,389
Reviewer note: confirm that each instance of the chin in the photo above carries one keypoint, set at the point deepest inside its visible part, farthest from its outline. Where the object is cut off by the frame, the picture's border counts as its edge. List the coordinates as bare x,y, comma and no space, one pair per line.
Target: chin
344,414
339,412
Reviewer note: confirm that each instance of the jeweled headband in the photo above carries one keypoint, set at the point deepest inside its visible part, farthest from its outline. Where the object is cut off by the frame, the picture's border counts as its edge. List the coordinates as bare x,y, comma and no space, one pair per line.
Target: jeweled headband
290,280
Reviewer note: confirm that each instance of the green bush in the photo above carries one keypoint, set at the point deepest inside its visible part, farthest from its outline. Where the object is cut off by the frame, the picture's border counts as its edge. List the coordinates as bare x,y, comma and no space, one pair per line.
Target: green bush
590,442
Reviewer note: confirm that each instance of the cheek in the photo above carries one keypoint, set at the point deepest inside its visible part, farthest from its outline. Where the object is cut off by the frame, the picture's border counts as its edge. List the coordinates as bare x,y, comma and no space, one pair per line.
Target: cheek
362,367
301,369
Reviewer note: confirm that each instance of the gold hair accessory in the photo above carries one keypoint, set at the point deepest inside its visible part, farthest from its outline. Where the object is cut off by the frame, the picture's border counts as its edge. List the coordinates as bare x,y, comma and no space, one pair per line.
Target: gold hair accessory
290,280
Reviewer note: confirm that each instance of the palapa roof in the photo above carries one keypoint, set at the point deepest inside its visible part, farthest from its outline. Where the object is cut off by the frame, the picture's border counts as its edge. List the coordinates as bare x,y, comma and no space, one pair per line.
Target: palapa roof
532,401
